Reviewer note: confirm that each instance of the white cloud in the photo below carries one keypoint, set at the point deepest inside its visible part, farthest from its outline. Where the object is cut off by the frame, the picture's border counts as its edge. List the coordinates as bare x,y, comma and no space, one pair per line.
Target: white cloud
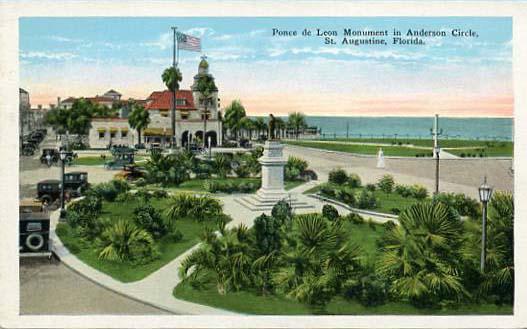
200,31
47,55
59,38
164,41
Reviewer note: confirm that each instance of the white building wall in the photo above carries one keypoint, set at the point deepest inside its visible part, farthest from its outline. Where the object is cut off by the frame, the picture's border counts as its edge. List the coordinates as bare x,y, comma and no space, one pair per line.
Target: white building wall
120,124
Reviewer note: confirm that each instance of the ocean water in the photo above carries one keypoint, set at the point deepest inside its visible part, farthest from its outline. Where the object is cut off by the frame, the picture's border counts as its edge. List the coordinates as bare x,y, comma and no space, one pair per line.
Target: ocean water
413,127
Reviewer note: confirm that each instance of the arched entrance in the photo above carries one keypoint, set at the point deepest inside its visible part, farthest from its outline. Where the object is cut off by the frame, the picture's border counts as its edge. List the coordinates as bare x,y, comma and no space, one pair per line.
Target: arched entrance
198,137
213,138
185,138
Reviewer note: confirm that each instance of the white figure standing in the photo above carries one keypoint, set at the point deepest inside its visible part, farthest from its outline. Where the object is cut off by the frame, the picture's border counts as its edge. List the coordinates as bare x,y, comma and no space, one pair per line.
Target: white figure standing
380,159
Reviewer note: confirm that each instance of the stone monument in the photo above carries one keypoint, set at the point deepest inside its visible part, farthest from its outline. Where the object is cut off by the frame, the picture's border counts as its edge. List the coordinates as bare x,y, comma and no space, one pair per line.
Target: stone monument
380,159
272,189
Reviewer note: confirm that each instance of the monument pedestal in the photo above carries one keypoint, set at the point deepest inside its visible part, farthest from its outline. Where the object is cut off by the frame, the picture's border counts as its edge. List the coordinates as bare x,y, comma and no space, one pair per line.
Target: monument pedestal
272,190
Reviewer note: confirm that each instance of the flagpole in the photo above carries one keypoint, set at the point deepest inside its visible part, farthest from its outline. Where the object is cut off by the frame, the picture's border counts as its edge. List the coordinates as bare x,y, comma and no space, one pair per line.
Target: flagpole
174,138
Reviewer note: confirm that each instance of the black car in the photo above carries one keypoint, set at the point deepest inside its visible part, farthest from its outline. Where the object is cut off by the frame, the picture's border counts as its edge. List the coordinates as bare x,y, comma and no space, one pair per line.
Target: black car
54,156
34,232
48,190
28,149
76,182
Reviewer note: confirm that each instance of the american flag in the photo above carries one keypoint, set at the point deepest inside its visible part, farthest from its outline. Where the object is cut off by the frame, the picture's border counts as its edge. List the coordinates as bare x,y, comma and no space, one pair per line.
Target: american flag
188,42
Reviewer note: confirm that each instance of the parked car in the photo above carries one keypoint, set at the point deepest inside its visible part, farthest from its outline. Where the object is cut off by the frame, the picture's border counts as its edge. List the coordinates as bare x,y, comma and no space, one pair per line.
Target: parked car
75,183
28,149
54,156
48,191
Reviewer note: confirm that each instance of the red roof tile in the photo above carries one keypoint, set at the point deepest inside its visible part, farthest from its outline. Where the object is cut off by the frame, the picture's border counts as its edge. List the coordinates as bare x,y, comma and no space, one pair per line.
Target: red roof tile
162,100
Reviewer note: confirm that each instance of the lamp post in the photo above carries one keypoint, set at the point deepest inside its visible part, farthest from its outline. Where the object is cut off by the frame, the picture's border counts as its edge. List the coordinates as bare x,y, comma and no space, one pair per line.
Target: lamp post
63,155
485,193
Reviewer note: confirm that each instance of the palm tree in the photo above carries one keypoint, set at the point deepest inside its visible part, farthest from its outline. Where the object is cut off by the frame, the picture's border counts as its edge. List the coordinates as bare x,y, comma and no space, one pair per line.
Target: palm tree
172,77
125,242
260,125
296,121
421,256
498,279
225,255
206,87
320,262
234,114
247,125
280,126
139,119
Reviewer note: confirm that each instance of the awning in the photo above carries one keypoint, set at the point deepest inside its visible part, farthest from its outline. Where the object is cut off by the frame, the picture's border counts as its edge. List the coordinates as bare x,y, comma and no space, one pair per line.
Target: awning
124,130
101,130
113,130
157,132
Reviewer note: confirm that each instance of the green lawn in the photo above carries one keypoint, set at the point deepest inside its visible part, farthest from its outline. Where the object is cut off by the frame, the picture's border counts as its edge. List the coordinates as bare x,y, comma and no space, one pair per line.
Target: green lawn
386,202
362,149
98,161
196,185
490,148
126,272
251,302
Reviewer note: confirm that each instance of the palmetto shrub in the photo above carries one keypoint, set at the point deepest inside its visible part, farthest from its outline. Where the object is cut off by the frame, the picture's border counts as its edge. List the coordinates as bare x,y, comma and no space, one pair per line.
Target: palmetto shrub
198,207
354,180
150,219
89,207
386,183
338,176
366,200
421,256
419,192
221,165
330,212
294,167
463,204
124,242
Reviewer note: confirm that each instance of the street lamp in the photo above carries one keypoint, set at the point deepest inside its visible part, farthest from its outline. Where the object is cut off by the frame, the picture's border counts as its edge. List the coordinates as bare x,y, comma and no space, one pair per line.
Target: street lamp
485,193
63,154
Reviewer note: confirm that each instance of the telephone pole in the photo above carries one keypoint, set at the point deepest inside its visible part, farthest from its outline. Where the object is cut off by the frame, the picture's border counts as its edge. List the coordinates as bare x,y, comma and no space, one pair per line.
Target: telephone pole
436,133
174,65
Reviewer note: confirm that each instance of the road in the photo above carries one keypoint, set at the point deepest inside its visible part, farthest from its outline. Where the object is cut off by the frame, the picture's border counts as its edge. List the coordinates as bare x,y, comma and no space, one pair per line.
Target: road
456,175
49,287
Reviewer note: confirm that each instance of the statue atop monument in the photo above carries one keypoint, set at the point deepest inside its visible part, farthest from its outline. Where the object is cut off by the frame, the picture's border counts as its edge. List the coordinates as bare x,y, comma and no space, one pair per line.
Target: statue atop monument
272,127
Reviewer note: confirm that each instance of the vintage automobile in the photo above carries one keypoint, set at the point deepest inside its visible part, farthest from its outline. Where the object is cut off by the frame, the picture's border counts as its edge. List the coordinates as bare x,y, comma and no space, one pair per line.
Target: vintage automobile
133,172
29,205
48,191
75,183
121,156
34,233
54,156
28,149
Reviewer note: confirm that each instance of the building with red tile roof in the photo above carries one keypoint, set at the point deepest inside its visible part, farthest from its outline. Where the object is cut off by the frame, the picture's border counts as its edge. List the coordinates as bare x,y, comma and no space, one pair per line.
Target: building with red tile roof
190,119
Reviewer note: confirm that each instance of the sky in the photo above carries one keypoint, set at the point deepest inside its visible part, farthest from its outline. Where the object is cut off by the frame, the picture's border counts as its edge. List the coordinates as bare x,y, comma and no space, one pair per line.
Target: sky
453,76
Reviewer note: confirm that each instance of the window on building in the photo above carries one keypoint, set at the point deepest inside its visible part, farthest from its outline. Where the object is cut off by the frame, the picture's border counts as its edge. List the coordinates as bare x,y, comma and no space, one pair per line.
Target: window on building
112,135
101,134
184,116
180,101
124,134
203,116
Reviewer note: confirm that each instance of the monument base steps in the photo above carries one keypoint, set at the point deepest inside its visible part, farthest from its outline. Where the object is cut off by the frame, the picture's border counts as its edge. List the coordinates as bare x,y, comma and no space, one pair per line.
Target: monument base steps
257,203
